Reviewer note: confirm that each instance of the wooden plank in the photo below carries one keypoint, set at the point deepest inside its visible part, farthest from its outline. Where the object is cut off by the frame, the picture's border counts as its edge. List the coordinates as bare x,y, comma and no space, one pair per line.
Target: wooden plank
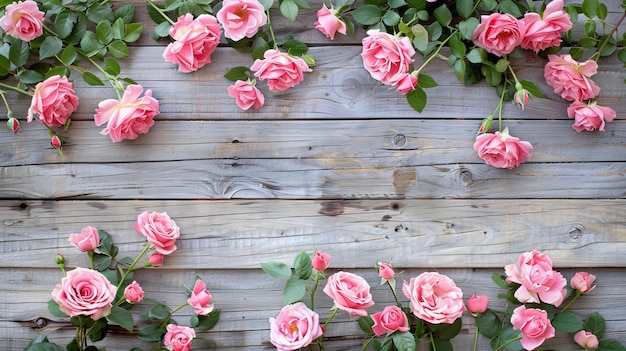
414,233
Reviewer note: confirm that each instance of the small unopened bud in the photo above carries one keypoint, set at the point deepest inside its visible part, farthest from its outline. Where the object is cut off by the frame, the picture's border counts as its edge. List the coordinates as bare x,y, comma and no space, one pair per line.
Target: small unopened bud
13,124
309,59
56,142
485,125
521,97
59,259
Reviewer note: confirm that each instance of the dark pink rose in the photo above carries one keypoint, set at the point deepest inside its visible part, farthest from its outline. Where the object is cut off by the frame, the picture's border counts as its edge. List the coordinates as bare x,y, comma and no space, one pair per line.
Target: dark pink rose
407,83
160,230
477,303
194,42
434,298
13,124
156,259
329,23
282,71
200,299
84,292
386,57
320,260
53,102
178,338
534,325
385,271
87,240
22,20
590,116
350,293
542,33
502,150
295,327
586,340
246,95
583,282
56,142
539,282
389,320
133,293
571,79
499,33
241,18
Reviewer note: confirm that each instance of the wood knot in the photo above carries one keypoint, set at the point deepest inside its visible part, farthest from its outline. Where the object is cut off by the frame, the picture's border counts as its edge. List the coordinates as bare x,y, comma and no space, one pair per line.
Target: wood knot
466,176
399,140
576,232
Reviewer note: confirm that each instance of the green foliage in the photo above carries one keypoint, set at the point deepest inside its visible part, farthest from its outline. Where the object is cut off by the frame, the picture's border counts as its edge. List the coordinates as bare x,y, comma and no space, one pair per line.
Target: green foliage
121,317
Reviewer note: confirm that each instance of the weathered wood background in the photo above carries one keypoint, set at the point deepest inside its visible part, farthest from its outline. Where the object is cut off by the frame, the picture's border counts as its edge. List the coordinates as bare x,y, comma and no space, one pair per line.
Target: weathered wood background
340,164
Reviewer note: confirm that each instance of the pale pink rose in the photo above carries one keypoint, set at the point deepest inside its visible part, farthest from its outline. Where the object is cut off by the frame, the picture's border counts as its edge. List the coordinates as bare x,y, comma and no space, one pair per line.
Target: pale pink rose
434,298
499,33
295,327
133,293
194,42
387,58
282,71
328,23
522,97
178,338
241,18
22,20
156,259
590,116
502,150
200,299
542,33
160,230
539,282
350,293
586,340
84,292
87,240
583,282
571,79
246,95
407,83
129,117
385,271
534,325
53,102
389,320
477,303
320,260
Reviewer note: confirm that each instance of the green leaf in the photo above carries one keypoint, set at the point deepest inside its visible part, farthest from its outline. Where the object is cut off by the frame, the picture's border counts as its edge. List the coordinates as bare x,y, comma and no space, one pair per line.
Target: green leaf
434,31
595,324
50,47
502,65
577,53
459,69
621,55
159,311
64,23
425,81
19,52
420,39
295,47
118,29
603,11
488,324
111,66
417,99
162,30
151,333
90,44
209,321
442,345
464,7
445,331
121,317
403,341
391,18
590,28
510,7
44,346
101,262
567,322
610,345
366,323
532,88
443,15
118,49
30,77
239,73
276,269
104,33
5,65
132,32
99,12
267,4
590,8
588,43
367,15
289,9
98,329
126,13
394,4
477,55
294,290
468,27
69,55
302,265
61,71
54,309
457,47
506,336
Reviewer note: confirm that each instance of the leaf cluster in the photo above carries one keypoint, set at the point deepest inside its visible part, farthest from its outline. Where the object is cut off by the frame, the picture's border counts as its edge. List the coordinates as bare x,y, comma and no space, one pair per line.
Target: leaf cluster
296,276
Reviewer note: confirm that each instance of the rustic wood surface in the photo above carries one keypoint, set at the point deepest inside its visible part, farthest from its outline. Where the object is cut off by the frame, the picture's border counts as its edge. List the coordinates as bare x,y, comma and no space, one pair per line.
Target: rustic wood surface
340,164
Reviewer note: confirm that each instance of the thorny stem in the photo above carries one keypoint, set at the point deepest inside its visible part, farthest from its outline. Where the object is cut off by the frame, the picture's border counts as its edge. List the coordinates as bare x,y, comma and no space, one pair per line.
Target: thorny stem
436,53
158,9
608,37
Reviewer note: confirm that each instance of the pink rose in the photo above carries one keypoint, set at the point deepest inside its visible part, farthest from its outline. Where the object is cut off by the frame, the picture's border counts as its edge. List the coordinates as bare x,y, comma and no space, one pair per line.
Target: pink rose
502,150
241,18
583,282
178,338
13,124
320,260
328,23
385,271
56,142
590,116
586,340
534,325
538,281
22,20
542,33
521,97
387,58
434,298
87,240
156,259
499,33
282,71
477,303
407,83
246,95
53,102
194,42
295,327
133,293
84,292
129,117
571,79
200,299
350,293
160,230
389,320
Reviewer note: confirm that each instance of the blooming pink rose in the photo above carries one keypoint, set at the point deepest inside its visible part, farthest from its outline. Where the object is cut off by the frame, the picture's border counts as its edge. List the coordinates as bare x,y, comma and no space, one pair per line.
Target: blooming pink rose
477,303
571,79
320,260
407,83
133,293
53,102
87,240
178,338
22,20
389,320
539,282
586,340
589,116
534,325
295,327
282,71
194,42
387,58
156,259
241,18
129,117
583,282
84,292
160,230
502,150
542,33
328,23
200,299
350,293
246,95
434,298
499,33
385,271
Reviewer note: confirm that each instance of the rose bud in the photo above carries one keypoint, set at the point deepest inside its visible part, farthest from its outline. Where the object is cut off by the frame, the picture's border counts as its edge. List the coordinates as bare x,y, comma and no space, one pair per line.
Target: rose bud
586,340
13,124
156,259
477,304
583,282
521,97
56,142
320,261
385,271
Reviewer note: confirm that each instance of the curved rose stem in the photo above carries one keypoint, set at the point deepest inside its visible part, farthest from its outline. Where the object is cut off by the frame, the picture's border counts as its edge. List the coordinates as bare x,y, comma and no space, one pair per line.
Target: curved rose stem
432,340
576,296
514,76
9,87
158,9
393,291
178,308
499,107
475,338
436,53
115,83
508,342
313,289
132,265
608,37
332,315
90,254
6,103
269,26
